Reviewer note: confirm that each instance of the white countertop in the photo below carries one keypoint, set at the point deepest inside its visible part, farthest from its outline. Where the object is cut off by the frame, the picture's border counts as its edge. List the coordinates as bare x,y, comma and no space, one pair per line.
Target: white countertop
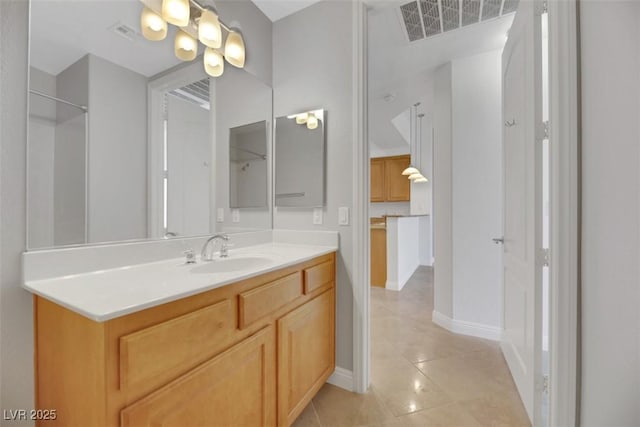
107,294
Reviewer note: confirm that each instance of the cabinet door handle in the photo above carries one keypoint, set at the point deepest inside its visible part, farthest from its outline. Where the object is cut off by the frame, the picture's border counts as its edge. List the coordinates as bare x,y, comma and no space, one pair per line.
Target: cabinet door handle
498,240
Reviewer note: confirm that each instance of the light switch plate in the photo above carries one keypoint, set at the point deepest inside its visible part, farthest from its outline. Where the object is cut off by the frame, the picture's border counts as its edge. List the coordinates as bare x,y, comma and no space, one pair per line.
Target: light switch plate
235,215
317,216
220,215
343,215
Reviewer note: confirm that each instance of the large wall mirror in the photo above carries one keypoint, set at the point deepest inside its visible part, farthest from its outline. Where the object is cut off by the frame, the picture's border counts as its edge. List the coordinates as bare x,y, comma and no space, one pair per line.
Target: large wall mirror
127,142
300,159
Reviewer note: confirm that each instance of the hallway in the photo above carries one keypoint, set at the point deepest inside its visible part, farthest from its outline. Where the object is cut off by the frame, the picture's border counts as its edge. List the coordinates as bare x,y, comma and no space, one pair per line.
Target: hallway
422,375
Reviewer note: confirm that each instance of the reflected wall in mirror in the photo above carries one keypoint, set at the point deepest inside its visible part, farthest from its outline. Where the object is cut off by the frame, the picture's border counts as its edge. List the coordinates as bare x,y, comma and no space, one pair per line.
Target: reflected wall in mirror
248,165
102,165
299,159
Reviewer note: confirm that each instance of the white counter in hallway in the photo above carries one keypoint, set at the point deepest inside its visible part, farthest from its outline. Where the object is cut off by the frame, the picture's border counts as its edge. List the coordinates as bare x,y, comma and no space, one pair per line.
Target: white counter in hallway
113,292
403,249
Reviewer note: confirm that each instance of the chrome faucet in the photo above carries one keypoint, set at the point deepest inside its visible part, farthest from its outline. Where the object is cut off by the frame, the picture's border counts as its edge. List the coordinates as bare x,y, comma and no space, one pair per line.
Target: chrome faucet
223,248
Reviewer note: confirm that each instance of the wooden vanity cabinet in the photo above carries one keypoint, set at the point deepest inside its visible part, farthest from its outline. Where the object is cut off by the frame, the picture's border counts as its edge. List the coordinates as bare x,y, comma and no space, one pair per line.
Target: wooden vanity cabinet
387,182
252,353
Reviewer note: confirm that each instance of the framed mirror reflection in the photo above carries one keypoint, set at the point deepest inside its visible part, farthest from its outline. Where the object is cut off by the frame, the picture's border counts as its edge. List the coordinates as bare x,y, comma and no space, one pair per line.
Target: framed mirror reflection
126,141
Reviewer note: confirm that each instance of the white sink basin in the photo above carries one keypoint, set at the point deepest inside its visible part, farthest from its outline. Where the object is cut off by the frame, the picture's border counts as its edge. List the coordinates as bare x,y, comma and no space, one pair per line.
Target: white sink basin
227,265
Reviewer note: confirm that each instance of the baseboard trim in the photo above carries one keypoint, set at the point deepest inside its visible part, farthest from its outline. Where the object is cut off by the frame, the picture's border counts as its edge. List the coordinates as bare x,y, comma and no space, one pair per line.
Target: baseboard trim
342,378
478,330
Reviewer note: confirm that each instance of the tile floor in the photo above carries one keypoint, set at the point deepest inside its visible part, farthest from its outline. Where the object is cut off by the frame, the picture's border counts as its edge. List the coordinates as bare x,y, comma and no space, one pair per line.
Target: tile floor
422,375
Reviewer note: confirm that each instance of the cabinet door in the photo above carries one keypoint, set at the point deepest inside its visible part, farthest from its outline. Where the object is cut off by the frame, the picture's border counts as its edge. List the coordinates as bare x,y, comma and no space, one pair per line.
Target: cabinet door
378,257
398,187
235,388
377,180
306,354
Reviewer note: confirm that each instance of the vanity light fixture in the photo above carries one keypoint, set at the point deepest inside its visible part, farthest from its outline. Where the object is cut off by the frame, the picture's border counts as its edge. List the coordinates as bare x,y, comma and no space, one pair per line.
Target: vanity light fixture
176,12
309,118
302,118
196,23
209,29
185,46
153,26
234,49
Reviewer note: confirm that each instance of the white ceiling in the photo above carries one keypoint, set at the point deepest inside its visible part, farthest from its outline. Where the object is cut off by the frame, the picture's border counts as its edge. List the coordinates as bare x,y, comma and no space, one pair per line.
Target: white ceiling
405,69
64,31
278,9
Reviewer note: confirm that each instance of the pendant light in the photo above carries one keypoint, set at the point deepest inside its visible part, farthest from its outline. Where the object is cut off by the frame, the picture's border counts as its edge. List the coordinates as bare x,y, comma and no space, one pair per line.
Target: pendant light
213,62
415,176
234,49
185,46
153,27
421,178
209,30
176,12
411,170
312,121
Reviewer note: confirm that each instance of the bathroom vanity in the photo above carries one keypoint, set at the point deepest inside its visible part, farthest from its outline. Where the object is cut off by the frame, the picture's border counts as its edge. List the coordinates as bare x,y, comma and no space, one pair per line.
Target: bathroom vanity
247,352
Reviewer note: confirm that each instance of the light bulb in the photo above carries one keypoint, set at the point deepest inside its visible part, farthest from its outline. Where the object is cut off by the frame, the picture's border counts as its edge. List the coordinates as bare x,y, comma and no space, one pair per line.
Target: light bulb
410,170
302,118
153,27
213,62
234,49
209,31
312,122
185,46
176,12
416,175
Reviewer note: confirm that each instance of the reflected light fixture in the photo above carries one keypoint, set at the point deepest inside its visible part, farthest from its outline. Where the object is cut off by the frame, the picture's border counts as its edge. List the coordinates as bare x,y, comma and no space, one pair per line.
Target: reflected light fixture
302,118
176,12
213,62
209,30
312,121
154,28
234,49
185,46
196,23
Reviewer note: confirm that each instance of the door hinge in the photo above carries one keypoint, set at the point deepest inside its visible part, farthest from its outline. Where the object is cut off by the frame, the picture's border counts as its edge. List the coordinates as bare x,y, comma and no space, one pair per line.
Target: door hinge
542,8
543,131
545,257
545,384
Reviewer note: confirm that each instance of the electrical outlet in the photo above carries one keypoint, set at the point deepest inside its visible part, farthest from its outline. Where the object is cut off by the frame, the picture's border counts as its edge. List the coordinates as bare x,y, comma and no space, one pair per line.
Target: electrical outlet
235,215
343,215
317,216
220,215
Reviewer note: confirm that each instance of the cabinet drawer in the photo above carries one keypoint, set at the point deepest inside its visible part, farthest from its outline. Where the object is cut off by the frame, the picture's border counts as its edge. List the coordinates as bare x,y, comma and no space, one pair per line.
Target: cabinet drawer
319,276
265,299
171,347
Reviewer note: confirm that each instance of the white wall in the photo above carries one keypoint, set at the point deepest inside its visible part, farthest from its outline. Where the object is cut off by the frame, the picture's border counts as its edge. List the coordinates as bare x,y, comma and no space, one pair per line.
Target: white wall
442,197
240,99
117,152
69,161
307,78
42,134
610,45
476,187
16,315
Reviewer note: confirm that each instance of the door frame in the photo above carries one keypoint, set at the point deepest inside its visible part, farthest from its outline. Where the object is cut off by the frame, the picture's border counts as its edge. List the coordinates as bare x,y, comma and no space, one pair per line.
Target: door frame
565,214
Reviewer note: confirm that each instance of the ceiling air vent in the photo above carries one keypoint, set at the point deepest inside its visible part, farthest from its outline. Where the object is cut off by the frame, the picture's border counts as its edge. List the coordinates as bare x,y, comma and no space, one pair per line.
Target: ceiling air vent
430,17
470,12
411,17
196,93
124,30
426,18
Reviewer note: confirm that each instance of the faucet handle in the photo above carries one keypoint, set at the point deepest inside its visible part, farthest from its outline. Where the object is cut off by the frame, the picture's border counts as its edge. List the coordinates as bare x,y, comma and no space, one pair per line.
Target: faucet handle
190,256
224,249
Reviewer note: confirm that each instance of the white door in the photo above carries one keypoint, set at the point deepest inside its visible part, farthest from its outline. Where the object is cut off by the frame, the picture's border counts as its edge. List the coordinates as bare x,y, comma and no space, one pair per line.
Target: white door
522,169
189,175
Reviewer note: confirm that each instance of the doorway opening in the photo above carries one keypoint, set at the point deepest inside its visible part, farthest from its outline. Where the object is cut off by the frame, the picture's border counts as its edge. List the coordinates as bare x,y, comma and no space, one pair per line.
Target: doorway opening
440,303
